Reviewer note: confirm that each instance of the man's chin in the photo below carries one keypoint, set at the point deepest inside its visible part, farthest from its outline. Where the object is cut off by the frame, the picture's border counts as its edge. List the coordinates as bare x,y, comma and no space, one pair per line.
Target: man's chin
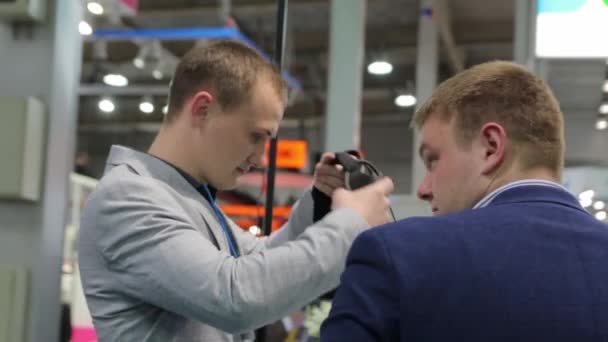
227,185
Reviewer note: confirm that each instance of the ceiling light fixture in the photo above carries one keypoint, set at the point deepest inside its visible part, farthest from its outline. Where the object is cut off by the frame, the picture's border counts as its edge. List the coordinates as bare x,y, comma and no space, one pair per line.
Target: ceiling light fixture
106,105
587,194
84,28
380,67
599,205
405,100
601,124
95,7
146,106
115,80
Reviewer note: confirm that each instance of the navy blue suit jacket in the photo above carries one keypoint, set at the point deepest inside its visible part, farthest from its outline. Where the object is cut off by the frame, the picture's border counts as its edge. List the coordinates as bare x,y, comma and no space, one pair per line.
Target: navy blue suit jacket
531,266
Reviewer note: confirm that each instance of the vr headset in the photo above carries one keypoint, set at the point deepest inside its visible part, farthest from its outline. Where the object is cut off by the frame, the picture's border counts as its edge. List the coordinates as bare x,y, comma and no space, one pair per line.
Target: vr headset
358,172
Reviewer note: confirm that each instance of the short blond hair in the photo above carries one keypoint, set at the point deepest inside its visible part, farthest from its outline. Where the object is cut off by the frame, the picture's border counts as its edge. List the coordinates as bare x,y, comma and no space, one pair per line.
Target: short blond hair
227,67
508,94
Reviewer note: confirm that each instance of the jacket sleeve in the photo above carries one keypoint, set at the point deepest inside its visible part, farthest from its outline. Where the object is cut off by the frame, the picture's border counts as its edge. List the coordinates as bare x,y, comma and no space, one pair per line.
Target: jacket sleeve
300,218
365,307
159,257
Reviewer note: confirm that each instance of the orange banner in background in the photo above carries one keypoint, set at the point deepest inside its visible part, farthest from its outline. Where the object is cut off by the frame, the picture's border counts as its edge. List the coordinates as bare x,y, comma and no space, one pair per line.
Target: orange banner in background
247,215
253,210
291,154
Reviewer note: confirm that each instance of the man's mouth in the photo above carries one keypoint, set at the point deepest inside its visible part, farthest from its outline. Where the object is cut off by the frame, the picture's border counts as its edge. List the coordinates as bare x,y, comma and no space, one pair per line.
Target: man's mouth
243,170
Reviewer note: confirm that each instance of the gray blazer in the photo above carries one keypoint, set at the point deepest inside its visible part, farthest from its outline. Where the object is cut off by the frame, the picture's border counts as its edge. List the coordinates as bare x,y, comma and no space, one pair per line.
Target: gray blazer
155,265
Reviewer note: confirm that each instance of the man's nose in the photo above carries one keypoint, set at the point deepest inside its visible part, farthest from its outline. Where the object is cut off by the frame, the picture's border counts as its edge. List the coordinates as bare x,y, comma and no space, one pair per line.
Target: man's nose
257,158
425,192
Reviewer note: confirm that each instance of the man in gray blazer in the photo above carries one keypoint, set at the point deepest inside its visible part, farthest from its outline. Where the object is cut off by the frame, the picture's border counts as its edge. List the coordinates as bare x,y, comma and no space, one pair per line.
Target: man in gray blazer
160,262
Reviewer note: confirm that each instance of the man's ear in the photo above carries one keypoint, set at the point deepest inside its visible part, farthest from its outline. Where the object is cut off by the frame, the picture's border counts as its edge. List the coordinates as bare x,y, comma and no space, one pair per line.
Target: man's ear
199,106
494,141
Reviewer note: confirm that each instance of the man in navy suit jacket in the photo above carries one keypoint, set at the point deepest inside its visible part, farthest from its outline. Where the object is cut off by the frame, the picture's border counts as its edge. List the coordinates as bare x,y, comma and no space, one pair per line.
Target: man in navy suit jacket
509,255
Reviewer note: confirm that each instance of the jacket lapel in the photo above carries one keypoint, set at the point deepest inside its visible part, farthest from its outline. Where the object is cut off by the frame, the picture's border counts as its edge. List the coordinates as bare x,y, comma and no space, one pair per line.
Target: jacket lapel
198,208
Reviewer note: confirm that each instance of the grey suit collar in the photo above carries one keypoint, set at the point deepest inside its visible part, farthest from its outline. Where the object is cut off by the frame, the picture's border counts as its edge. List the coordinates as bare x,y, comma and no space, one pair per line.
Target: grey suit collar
149,166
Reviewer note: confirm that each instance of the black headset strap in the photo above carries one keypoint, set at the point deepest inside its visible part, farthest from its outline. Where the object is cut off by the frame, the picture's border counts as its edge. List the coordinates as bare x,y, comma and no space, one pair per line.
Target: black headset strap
371,167
350,164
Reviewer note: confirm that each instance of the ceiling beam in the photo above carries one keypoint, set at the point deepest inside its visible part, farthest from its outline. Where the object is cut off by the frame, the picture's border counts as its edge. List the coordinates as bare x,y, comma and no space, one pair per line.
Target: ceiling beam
455,55
148,7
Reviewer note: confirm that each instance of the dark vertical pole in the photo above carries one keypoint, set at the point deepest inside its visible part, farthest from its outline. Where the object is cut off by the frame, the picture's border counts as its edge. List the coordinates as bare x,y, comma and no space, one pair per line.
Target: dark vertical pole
279,51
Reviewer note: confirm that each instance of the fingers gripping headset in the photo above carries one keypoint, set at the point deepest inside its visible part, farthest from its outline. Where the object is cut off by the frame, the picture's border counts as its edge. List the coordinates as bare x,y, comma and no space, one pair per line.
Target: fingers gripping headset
358,173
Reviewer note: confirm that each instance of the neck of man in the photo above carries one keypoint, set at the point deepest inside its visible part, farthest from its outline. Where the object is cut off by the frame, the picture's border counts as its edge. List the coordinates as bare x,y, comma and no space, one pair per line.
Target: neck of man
173,146
516,173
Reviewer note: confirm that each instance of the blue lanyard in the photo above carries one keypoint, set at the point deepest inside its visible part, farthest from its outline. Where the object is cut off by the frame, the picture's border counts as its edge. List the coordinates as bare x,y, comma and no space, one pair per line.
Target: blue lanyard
223,223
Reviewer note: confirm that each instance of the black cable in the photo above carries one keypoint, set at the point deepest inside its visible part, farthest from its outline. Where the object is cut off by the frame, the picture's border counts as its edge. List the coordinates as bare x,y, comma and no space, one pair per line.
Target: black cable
392,213
376,174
